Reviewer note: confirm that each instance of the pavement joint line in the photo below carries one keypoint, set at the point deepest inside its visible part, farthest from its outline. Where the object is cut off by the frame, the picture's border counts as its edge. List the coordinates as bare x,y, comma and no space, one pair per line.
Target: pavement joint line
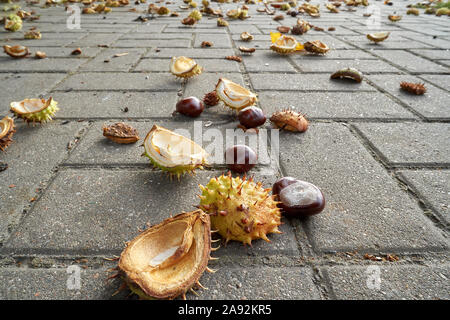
397,100
134,65
426,206
432,83
41,190
382,160
63,258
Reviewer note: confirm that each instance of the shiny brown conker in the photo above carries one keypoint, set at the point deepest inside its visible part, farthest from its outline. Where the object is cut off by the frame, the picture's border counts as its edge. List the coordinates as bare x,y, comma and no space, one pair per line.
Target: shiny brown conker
190,106
298,198
251,117
240,158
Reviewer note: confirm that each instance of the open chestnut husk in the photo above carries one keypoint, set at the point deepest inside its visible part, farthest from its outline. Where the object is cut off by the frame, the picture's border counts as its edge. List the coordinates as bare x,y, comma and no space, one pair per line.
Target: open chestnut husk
298,198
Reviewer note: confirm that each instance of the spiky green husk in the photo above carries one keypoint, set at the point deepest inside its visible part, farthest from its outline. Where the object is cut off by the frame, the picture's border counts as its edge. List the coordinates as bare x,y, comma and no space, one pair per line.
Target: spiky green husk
240,209
177,171
13,23
41,116
195,14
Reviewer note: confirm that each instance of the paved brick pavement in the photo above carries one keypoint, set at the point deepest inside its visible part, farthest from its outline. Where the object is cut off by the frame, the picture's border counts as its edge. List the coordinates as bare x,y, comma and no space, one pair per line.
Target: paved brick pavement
381,157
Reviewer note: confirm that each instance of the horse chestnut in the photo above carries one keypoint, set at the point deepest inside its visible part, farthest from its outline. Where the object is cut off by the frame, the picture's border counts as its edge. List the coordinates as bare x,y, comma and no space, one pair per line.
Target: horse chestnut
240,158
251,117
190,106
298,198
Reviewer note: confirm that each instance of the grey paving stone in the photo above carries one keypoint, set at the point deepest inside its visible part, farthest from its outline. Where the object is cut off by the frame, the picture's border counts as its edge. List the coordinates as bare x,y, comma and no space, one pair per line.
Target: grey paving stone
432,105
107,61
277,81
191,53
93,40
441,80
158,36
408,143
358,105
150,27
206,82
334,54
107,105
181,43
51,284
120,81
251,283
19,86
410,62
60,52
30,158
227,283
329,156
393,44
219,40
330,66
433,54
31,43
396,282
8,64
267,61
238,29
433,186
209,65
194,29
99,219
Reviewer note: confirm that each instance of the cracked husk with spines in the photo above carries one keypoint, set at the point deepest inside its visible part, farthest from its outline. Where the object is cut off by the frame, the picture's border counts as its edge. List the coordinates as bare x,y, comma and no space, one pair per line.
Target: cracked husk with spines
240,209
35,110
167,260
7,129
162,152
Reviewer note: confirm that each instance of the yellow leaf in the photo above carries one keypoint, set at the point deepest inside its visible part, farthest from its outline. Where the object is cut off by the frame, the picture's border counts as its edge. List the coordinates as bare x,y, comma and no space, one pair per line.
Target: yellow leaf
299,47
274,36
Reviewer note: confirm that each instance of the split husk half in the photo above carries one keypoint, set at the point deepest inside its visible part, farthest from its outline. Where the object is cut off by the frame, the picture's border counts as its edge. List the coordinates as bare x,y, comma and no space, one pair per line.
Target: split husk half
35,110
233,95
172,152
168,259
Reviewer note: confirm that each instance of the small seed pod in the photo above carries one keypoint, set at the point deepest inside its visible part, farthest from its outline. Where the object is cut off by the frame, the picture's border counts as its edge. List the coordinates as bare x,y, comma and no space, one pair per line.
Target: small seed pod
246,50
121,133
348,73
290,120
284,29
414,88
211,99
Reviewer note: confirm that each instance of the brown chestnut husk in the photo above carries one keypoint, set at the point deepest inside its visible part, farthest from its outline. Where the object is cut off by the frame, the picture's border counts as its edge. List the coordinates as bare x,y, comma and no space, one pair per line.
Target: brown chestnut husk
298,198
